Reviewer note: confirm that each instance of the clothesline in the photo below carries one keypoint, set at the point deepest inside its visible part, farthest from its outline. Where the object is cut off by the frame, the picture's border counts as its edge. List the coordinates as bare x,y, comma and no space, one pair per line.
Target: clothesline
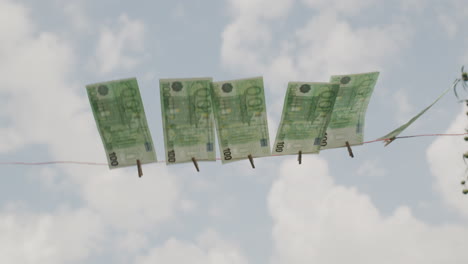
163,161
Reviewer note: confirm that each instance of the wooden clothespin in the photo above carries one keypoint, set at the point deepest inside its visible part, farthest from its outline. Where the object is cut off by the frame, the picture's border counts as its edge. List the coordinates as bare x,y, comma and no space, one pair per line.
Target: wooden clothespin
140,170
350,151
195,163
251,161
299,158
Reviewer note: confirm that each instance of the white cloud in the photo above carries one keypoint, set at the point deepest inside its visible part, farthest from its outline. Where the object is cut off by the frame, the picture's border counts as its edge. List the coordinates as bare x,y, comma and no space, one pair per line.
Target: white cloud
179,11
449,24
64,237
14,24
129,203
452,16
326,44
317,221
414,6
121,47
133,242
33,77
341,6
209,249
261,8
74,10
222,207
46,107
404,108
244,43
446,163
188,206
371,168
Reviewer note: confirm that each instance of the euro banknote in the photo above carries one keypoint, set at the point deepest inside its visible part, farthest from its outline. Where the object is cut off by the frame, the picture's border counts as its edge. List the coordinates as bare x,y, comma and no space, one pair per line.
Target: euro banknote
121,121
306,113
347,120
187,116
241,120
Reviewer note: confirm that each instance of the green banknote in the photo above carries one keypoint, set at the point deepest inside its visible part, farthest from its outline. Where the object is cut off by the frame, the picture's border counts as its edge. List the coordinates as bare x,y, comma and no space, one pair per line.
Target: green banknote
121,121
347,120
392,135
187,119
241,119
306,113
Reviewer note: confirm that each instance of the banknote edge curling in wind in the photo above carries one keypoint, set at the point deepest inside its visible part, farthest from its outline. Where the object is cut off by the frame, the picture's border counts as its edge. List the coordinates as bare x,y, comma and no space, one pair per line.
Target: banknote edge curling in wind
390,137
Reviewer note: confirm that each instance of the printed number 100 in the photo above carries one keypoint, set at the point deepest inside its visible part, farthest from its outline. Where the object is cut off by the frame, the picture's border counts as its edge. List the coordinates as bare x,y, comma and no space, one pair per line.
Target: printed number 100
113,158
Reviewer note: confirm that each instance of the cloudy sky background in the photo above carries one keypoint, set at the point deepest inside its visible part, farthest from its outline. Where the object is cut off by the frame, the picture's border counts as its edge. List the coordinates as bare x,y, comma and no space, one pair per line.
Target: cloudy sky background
399,204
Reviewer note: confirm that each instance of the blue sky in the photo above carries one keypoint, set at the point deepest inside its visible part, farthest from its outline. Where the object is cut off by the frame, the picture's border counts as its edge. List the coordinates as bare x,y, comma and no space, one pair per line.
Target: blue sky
401,203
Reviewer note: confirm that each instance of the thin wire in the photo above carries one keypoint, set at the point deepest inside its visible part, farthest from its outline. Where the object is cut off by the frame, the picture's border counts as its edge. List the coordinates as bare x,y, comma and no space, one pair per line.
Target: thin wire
52,162
163,161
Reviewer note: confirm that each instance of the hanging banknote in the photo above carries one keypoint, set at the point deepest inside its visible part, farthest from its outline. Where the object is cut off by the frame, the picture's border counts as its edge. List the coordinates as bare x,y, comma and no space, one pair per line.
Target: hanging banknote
347,120
121,121
306,113
392,135
187,119
241,119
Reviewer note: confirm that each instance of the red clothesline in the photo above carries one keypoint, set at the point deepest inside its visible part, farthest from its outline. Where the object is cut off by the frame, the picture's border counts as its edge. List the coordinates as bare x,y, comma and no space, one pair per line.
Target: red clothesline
163,161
